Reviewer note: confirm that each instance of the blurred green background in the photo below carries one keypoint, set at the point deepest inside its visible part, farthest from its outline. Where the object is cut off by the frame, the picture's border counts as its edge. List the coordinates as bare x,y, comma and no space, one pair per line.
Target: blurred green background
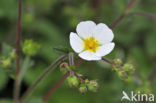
49,22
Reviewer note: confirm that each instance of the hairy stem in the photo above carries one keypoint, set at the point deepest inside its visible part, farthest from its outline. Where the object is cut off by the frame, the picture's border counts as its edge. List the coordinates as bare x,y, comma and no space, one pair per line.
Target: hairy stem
18,37
52,90
71,59
71,62
114,24
24,68
78,62
149,15
127,9
129,6
50,68
107,61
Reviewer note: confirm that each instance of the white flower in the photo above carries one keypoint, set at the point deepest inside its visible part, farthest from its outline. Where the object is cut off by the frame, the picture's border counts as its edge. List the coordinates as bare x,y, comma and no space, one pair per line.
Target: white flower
92,41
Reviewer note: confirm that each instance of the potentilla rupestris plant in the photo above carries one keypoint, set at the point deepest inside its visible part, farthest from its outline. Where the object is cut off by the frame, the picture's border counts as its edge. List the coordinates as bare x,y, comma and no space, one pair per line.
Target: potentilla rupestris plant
91,42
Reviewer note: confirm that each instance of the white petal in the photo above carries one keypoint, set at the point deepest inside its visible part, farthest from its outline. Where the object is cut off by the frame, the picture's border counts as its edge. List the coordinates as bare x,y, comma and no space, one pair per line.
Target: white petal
76,42
89,56
85,29
103,33
105,49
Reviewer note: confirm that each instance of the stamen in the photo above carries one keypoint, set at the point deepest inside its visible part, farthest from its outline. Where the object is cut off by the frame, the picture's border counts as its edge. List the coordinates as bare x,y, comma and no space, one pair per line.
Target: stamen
91,44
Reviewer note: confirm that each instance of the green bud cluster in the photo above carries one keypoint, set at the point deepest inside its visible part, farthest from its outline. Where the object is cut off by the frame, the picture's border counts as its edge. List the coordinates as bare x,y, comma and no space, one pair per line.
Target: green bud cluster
73,81
128,68
83,88
124,71
76,80
89,86
122,75
93,86
30,47
6,61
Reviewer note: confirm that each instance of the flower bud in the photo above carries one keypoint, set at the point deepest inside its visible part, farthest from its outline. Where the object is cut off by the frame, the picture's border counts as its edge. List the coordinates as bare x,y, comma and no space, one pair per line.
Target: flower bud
30,47
6,63
83,88
64,67
122,75
118,61
93,85
73,81
86,81
128,68
117,65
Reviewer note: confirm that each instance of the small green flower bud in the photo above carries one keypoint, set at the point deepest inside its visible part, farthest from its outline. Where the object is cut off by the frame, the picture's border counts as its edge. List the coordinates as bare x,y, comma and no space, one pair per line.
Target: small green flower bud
6,63
93,85
73,81
30,47
86,81
122,75
83,88
128,68
64,67
118,61
12,54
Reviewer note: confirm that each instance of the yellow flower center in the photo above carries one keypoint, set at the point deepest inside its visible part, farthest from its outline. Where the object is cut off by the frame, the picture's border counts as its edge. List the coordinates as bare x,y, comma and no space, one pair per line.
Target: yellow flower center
91,44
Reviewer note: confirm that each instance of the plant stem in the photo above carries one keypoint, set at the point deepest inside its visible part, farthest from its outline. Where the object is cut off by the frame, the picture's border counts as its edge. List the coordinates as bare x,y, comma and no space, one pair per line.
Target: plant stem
71,62
117,21
71,59
24,68
18,37
52,90
149,15
79,61
107,61
128,7
50,68
81,80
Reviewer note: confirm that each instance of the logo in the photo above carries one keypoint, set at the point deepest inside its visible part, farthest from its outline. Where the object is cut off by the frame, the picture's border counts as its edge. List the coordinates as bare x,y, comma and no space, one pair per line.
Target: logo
137,96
